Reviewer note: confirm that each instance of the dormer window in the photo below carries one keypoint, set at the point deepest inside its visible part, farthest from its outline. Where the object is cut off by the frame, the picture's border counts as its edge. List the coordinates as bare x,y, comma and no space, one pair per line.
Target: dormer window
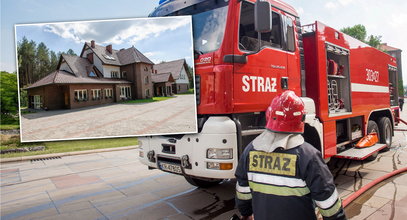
114,74
108,57
92,74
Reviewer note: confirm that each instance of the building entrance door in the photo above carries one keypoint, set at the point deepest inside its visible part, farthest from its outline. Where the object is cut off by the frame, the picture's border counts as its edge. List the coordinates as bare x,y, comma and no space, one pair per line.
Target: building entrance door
66,99
37,102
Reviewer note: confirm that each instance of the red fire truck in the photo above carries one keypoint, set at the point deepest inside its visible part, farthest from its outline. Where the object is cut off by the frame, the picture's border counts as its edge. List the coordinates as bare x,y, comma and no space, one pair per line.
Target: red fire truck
247,52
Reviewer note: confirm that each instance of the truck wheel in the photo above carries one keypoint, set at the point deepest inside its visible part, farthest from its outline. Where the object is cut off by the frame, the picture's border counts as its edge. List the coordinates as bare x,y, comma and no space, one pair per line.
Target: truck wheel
202,183
385,129
372,127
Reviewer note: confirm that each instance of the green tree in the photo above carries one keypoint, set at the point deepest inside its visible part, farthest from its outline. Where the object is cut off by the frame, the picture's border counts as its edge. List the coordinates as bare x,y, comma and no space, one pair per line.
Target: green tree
374,41
42,61
71,52
26,51
9,94
359,32
191,80
53,61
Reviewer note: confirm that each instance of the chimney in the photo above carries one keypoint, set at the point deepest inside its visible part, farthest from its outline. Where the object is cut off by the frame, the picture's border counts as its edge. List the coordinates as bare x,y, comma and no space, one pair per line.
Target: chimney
109,48
92,43
90,57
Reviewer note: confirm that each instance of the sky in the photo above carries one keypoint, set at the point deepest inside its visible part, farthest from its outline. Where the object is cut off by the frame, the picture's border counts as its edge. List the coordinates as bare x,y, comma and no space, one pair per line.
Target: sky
149,35
385,18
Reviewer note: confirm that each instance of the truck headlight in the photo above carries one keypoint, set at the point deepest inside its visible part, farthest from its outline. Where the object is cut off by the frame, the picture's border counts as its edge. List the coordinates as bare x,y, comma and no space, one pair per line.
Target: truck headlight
215,153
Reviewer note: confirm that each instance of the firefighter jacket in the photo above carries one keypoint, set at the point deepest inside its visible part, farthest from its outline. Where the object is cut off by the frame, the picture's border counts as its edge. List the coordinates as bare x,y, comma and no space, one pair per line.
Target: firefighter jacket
286,184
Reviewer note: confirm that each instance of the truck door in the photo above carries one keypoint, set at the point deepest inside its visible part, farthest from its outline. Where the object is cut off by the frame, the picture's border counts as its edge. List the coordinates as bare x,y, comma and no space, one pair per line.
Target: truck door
259,80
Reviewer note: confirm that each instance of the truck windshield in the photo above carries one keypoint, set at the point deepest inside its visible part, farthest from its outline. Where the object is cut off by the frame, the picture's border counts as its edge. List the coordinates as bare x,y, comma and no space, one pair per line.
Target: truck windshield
208,21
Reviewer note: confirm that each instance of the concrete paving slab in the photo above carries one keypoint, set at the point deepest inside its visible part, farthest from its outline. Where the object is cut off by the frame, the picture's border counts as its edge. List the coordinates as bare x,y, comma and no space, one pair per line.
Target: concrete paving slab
356,212
90,213
371,200
74,206
389,211
72,180
158,211
118,208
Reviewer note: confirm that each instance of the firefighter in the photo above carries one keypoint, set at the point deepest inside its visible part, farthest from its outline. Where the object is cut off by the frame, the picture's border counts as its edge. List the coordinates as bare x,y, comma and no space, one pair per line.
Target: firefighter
401,102
280,176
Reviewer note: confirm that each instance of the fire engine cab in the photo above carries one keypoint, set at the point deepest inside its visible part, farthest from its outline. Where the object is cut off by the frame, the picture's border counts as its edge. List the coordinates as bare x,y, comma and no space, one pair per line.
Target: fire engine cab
246,53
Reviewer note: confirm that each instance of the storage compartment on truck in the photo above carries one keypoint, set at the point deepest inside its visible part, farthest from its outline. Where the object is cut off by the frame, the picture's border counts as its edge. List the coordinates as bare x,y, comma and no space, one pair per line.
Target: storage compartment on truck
348,130
338,79
393,86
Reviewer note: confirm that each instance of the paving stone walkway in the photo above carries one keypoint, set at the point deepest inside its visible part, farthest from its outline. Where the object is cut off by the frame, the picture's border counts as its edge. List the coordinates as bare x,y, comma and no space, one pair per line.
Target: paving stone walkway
174,115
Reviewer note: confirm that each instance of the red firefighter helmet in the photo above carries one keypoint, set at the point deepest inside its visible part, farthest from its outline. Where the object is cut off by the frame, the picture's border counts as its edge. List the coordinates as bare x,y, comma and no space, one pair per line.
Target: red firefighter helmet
286,114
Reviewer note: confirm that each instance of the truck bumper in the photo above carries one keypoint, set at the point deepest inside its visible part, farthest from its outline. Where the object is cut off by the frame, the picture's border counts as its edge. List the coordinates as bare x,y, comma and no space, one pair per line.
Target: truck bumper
217,133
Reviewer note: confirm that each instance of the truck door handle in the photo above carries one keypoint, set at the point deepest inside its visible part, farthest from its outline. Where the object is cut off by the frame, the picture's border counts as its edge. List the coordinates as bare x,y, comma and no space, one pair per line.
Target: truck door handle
284,82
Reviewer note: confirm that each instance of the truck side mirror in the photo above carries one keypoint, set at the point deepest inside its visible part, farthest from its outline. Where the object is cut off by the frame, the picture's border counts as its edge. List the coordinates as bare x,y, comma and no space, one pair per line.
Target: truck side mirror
262,16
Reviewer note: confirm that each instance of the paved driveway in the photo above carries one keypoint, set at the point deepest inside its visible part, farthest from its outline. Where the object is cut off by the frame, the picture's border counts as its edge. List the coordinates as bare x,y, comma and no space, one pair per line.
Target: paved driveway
115,185
170,116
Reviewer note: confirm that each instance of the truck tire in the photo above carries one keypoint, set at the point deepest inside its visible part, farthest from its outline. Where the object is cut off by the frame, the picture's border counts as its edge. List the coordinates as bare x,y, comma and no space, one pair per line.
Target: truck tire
372,127
385,129
202,183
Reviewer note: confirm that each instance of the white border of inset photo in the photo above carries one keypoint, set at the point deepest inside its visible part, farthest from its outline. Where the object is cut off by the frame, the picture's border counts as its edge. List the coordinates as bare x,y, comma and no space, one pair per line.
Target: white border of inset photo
60,75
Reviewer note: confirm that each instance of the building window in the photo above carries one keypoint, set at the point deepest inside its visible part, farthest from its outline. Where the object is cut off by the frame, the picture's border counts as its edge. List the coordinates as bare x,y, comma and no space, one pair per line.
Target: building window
37,102
148,92
108,93
124,74
125,92
145,68
114,74
81,95
96,94
146,80
179,88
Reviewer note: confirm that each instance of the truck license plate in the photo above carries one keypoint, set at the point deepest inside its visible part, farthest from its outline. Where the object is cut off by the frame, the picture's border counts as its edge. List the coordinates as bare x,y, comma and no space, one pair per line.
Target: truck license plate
170,167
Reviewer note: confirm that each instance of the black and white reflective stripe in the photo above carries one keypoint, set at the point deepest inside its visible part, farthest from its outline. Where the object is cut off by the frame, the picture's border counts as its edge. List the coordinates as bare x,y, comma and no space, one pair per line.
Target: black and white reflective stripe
242,189
276,180
328,202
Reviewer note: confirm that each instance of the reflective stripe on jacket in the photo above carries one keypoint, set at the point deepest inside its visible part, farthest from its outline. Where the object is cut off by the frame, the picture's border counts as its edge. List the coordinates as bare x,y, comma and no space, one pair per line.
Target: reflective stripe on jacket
286,184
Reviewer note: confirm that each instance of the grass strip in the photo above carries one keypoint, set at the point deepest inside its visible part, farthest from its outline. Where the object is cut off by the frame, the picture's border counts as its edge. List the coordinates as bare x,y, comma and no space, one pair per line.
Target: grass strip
65,146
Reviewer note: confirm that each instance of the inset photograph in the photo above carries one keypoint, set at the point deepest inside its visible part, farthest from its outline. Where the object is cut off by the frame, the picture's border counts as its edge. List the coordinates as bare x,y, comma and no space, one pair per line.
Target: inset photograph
110,78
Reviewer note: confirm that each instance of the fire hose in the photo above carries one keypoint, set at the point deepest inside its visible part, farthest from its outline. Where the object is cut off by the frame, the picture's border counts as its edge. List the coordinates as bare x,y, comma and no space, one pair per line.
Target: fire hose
402,121
356,194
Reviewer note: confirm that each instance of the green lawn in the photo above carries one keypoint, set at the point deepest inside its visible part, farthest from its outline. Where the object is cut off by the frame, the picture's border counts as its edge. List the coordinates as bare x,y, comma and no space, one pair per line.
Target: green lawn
154,99
9,127
190,91
65,146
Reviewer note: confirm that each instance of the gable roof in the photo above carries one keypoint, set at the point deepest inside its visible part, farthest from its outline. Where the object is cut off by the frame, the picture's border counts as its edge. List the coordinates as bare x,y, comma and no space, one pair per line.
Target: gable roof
173,67
121,57
81,67
162,77
386,47
132,55
63,77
